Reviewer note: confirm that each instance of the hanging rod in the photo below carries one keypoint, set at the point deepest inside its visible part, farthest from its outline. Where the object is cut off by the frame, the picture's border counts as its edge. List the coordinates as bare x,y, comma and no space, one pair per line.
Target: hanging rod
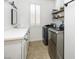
66,4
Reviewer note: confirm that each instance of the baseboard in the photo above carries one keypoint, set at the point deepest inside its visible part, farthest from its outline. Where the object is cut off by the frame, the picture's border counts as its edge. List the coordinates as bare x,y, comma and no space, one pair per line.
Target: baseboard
35,40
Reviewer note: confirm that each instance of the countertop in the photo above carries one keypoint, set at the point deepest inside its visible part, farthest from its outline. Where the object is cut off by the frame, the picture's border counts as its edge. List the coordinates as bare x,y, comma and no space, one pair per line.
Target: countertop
14,34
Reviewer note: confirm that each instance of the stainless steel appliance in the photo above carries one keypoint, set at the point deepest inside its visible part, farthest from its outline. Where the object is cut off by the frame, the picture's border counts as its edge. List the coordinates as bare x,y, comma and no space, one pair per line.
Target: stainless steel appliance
45,33
55,44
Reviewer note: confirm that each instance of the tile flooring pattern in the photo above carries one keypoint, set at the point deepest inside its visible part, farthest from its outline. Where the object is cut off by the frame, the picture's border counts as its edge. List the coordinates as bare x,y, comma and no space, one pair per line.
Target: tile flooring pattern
37,50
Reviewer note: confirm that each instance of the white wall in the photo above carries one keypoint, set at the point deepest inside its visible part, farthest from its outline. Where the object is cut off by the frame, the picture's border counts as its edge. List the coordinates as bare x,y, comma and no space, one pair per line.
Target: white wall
23,15
7,16
46,7
46,11
24,11
69,38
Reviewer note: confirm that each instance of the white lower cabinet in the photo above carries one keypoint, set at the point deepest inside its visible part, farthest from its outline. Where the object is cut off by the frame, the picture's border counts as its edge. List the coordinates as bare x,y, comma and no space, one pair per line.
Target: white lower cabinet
12,49
24,48
15,49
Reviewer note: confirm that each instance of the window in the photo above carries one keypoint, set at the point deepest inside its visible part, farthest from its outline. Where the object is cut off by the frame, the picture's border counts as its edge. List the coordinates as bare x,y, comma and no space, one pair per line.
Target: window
35,14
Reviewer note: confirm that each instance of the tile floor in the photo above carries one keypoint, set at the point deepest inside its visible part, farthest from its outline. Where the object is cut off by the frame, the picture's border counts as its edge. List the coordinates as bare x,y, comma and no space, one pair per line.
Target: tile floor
37,50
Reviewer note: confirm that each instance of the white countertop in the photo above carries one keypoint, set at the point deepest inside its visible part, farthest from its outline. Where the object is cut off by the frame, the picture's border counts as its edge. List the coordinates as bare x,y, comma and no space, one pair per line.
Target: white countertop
14,34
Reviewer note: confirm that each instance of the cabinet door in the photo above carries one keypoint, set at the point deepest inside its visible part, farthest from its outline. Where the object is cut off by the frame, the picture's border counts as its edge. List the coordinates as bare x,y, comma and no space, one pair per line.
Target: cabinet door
24,48
70,31
12,49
